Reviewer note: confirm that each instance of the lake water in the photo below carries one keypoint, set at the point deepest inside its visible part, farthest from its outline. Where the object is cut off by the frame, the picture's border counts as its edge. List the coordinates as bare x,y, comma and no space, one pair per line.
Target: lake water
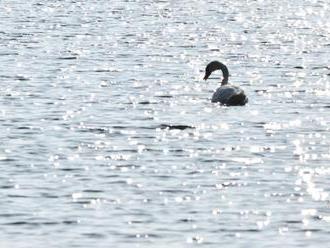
109,139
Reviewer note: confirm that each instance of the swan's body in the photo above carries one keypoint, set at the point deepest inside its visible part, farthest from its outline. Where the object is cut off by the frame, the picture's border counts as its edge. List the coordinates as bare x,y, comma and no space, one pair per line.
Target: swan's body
227,94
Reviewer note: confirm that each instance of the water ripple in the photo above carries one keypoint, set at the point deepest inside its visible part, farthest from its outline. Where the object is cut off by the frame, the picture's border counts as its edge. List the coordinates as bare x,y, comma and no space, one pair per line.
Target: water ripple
108,135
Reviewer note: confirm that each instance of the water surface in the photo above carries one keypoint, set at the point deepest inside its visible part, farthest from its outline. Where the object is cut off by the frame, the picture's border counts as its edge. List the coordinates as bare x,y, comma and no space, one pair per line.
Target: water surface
109,138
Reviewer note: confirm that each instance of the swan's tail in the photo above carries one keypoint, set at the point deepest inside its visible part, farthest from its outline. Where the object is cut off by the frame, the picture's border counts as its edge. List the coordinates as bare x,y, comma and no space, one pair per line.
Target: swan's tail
237,100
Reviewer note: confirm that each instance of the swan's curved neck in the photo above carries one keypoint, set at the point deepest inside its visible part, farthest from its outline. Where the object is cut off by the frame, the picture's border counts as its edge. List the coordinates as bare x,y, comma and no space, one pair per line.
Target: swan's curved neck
225,73
224,81
216,65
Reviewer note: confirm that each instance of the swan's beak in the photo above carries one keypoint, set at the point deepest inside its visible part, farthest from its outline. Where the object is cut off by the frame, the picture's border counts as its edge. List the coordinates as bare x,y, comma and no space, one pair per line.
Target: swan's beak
207,74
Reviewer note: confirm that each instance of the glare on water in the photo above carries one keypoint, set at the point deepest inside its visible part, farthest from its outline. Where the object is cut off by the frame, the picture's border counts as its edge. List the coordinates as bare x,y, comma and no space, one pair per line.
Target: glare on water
109,138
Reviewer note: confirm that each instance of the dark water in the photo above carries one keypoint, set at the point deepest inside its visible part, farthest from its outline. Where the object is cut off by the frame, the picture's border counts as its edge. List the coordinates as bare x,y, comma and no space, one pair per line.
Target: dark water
108,137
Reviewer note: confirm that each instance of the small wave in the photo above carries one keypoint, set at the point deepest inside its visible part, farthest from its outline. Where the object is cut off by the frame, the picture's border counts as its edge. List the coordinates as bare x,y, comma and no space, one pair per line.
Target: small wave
180,127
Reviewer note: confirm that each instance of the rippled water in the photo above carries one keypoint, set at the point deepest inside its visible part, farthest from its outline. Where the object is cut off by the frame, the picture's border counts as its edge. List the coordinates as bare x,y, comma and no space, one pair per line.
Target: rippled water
109,139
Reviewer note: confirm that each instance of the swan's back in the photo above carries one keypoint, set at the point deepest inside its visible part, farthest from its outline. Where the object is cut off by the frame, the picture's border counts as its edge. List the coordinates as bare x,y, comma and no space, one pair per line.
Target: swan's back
230,95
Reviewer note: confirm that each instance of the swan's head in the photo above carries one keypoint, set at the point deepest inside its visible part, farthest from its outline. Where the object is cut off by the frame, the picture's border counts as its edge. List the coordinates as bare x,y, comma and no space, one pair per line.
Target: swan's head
211,67
216,65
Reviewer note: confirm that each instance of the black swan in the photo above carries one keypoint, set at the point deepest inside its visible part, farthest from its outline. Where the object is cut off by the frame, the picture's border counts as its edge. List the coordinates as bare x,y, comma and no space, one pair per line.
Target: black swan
227,94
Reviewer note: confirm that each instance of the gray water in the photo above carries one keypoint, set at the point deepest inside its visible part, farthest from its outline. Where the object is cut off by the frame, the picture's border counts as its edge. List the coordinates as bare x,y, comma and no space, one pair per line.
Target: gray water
109,139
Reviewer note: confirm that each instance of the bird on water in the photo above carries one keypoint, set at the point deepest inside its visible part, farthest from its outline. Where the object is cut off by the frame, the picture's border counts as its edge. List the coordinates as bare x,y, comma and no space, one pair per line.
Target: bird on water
226,94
